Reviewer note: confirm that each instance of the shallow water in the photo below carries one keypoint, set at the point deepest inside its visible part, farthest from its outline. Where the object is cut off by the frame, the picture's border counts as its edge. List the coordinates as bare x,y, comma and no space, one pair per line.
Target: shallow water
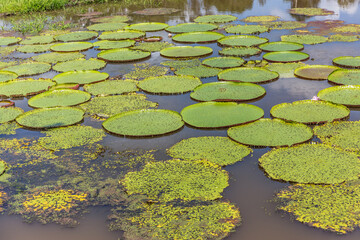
249,188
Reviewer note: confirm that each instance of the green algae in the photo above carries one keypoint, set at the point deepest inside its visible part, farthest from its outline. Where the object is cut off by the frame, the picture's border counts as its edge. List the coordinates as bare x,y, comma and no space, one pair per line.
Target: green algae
347,95
345,77
145,70
71,47
285,70
185,51
107,44
197,37
29,68
9,114
111,87
34,48
4,41
240,51
123,55
310,11
247,29
80,65
347,61
152,46
7,76
148,26
46,39
304,39
76,36
56,57
8,128
281,46
215,19
266,18
121,35
81,77
24,87
191,27
200,71
241,40
112,26
286,56
223,62
248,74
315,72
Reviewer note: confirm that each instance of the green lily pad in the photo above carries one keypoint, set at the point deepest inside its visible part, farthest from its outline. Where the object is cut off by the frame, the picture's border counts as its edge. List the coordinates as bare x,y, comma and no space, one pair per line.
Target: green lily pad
215,19
240,51
220,114
24,87
112,26
315,72
343,38
71,47
59,98
123,55
80,65
285,25
247,29
46,39
218,150
345,77
2,168
310,11
7,64
152,46
197,37
29,68
304,39
145,70
248,74
281,46
310,112
69,137
185,51
50,117
80,77
111,87
224,62
9,114
311,163
270,133
106,44
65,86
347,95
111,19
145,122
7,76
348,28
76,36
347,61
169,84
286,56
178,64
200,71
191,27
122,35
148,26
55,57
266,18
110,105
227,91
241,41
34,48
4,41
285,70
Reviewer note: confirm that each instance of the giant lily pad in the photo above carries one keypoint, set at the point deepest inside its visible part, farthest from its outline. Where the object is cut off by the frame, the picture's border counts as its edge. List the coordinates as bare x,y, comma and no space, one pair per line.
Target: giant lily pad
310,112
285,70
111,87
145,70
106,44
148,26
286,56
198,37
348,28
46,39
266,18
285,24
281,46
122,35
148,122
59,98
347,61
71,47
80,65
247,29
169,84
7,76
241,40
29,68
185,51
304,39
152,46
191,27
9,114
199,71
348,95
2,169
111,19
123,55
315,72
34,48
240,51
248,74
311,163
112,26
215,19
223,62
24,87
345,77
55,57
50,117
220,114
4,41
310,11
271,133
227,91
80,77
76,36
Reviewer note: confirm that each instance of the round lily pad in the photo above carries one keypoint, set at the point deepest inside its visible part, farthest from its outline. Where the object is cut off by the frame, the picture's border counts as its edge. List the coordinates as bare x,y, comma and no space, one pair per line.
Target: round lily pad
310,112
80,77
185,51
9,114
7,76
71,47
345,77
241,41
285,70
76,36
240,51
197,37
191,27
218,150
223,62
66,86
123,55
29,68
55,57
34,48
348,95
311,163
80,65
248,74
122,35
266,18
169,84
50,117
270,133
281,46
304,39
247,29
215,19
148,122
199,71
4,41
347,61
24,87
310,11
286,56
45,39
148,26
220,114
107,44
227,91
112,26
111,87
6,103
315,72
59,98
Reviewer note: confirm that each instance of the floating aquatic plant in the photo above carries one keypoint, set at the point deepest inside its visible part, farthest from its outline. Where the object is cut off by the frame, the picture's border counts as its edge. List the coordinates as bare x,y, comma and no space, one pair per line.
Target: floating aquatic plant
248,74
197,37
148,26
185,51
315,72
24,87
71,47
4,41
29,68
223,62
34,48
56,57
80,65
152,46
8,128
45,39
178,64
191,27
9,114
247,29
240,51
111,87
286,56
2,170
281,46
7,64
348,28
199,71
3,199
4,51
346,95
81,77
215,19
241,40
347,61
107,44
266,18
112,26
311,11
284,24
285,70
304,39
7,76
76,36
343,38
345,77
121,35
145,70
123,55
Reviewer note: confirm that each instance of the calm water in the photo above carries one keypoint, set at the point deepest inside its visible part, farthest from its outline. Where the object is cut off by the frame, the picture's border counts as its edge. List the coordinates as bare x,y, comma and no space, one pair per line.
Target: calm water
249,188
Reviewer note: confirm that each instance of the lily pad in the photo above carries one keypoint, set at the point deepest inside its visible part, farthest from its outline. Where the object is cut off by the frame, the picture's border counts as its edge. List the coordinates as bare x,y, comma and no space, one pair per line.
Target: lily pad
29,68
304,39
240,51
122,35
241,40
247,29
111,87
9,114
266,18
46,39
145,70
315,72
4,41
24,87
310,112
347,61
74,86
50,117
286,56
152,46
148,26
285,24
223,62
123,55
200,71
106,44
191,27
80,77
55,57
285,70
71,47
76,36
112,26
146,122
220,114
281,46
80,65
185,51
270,133
2,169
178,64
248,74
197,37
347,95
34,48
7,76
111,19
215,19
345,77
59,98
169,84
343,38
310,11
311,163
227,91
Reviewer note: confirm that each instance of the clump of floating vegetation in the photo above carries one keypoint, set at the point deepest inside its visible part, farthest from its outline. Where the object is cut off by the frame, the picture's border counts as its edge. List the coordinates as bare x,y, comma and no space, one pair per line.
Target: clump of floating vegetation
310,11
152,46
199,71
145,70
8,128
304,39
266,18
